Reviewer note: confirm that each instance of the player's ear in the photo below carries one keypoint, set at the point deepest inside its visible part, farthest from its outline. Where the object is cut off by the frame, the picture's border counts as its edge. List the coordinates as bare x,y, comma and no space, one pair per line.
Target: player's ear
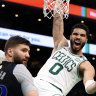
86,40
10,52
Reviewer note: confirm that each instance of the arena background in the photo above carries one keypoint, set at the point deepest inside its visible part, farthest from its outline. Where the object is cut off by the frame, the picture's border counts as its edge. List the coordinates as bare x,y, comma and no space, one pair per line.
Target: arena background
29,18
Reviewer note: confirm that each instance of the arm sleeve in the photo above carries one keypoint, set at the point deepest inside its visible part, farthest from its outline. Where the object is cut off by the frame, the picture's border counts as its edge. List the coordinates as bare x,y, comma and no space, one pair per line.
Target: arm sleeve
24,77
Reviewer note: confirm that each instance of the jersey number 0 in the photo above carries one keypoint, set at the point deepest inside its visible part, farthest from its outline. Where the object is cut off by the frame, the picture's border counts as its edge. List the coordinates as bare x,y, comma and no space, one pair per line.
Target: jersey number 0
56,68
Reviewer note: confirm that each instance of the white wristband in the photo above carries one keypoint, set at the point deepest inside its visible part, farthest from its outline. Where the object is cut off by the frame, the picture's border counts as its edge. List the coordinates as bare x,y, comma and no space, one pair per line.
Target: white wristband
89,82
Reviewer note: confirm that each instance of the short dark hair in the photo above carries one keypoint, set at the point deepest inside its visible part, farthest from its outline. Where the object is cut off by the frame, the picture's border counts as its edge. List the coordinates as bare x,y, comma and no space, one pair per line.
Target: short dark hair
82,26
14,41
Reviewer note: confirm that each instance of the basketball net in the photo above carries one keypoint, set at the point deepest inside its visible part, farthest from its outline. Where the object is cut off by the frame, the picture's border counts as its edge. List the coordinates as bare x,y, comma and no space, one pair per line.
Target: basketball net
52,7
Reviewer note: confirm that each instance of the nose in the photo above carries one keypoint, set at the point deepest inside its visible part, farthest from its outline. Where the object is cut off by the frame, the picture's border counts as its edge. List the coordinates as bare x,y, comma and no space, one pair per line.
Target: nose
78,36
27,55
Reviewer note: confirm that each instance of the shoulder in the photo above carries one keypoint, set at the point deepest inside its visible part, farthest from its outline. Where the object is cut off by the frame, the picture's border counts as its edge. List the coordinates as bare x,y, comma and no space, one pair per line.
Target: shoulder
24,77
59,43
21,70
20,66
63,42
86,66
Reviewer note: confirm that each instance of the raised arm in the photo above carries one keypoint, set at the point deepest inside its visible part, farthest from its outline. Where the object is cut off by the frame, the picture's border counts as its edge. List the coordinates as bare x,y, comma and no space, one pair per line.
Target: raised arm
88,77
58,30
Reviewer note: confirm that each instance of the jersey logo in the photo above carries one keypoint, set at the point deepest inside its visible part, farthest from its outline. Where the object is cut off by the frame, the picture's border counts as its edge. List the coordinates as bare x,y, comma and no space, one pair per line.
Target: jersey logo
63,61
3,90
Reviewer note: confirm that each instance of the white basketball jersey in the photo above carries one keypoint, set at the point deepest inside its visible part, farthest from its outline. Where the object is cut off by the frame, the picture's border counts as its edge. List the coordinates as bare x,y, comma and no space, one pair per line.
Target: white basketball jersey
62,69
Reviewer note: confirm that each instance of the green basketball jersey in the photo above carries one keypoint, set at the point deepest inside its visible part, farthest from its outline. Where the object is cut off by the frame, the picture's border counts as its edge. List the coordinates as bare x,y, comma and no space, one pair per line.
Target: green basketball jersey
62,69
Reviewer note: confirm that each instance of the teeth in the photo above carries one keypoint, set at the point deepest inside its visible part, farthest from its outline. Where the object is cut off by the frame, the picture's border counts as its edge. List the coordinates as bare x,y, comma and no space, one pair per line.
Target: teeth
77,42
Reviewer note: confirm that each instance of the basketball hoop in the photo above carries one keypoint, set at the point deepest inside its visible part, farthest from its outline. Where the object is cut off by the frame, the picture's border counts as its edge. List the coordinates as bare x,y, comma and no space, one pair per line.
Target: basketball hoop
58,6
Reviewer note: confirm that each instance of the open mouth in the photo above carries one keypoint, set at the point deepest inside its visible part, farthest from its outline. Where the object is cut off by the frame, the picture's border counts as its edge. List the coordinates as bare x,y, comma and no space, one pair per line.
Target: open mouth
76,44
25,61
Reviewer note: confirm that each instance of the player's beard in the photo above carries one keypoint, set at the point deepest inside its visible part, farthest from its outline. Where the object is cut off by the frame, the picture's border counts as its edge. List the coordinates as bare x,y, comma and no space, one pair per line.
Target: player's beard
17,59
76,50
